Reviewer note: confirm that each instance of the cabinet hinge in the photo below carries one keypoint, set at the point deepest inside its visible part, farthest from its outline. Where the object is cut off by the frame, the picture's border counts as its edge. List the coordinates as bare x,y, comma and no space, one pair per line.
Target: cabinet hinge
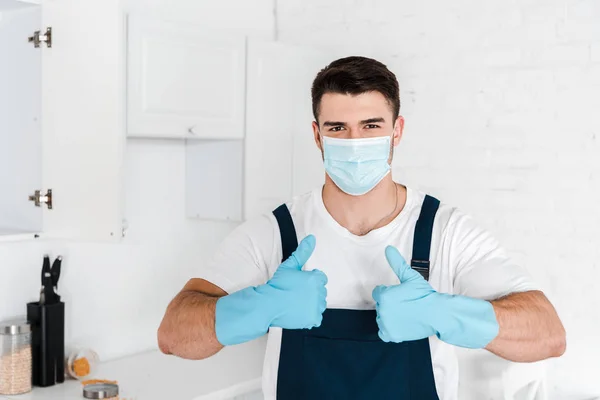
38,38
38,198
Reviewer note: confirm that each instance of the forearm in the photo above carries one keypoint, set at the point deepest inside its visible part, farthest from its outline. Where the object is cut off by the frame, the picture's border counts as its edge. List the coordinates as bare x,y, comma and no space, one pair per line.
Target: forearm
530,329
188,327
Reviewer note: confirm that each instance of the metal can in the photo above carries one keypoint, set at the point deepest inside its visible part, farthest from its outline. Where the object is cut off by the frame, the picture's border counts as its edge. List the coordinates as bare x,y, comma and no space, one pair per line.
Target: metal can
15,357
101,391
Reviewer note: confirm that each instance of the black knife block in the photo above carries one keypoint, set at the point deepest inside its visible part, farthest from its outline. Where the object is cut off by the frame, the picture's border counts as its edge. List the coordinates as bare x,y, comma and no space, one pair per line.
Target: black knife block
47,343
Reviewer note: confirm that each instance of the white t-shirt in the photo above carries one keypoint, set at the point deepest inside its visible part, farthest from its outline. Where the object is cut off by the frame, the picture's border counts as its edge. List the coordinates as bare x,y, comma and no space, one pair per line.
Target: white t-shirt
465,259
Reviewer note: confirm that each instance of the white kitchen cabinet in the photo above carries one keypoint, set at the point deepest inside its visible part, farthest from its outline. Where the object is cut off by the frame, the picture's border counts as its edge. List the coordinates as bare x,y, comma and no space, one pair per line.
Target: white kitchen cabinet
61,122
184,81
281,158
187,82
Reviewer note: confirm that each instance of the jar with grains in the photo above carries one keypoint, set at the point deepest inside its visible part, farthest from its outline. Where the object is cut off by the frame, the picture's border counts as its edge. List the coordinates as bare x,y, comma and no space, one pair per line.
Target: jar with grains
15,357
81,363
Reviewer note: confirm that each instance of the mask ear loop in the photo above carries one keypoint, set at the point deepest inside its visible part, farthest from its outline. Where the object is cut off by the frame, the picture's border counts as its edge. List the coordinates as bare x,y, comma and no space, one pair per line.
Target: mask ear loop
391,155
322,145
322,142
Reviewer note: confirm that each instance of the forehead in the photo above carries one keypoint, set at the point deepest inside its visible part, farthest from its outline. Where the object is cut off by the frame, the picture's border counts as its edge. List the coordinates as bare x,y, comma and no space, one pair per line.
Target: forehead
351,108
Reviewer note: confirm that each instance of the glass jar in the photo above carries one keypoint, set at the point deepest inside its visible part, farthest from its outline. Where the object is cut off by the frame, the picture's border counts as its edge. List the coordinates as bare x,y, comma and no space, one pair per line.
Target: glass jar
15,357
81,363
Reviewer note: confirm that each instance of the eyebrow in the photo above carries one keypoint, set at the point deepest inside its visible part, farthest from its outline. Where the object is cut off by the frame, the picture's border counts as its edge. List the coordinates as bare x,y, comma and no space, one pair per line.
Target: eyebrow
363,122
372,120
333,123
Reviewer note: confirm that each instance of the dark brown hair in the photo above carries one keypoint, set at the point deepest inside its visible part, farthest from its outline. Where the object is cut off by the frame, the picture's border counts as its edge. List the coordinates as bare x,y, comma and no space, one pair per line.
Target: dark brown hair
356,75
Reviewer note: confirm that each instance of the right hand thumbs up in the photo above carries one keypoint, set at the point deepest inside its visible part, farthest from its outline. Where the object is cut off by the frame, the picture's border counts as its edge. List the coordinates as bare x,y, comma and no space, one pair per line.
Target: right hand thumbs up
300,257
291,299
300,294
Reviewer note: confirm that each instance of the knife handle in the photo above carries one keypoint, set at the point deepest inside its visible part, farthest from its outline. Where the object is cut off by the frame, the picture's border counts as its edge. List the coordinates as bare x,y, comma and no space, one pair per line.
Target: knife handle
55,272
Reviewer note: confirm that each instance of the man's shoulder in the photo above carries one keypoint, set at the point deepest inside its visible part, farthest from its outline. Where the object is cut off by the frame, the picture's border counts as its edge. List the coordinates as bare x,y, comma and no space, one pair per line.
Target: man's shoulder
451,219
256,227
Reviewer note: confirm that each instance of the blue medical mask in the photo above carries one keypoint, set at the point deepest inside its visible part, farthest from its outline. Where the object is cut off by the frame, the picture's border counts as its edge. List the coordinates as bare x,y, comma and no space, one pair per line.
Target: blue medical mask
356,166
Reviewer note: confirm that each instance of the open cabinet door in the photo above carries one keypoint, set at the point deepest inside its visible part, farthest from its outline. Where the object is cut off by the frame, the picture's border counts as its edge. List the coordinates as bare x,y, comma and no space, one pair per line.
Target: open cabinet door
20,131
281,158
83,118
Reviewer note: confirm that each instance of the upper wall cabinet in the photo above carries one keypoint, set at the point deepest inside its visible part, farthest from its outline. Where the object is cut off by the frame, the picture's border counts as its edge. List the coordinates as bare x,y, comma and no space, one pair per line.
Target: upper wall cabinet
184,81
61,134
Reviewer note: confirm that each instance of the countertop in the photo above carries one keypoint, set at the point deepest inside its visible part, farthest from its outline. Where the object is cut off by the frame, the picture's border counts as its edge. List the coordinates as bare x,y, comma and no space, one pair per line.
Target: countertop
154,376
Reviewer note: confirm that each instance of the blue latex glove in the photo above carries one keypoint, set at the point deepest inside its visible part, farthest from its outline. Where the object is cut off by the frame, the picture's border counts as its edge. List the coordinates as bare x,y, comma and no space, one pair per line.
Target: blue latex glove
412,310
291,299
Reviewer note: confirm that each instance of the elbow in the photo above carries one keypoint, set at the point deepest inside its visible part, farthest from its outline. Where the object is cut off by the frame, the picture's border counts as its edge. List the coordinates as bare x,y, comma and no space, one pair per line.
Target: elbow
560,343
163,340
169,344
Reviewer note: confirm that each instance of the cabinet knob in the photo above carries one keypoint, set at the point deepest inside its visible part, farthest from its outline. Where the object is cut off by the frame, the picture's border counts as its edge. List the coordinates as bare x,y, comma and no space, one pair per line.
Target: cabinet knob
192,130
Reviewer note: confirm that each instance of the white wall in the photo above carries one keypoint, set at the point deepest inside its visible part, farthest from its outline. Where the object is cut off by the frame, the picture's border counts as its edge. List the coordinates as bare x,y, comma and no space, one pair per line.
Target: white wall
500,99
116,293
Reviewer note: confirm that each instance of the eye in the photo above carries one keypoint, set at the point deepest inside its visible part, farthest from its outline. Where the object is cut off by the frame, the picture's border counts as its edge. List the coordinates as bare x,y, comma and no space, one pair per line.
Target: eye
372,126
336,128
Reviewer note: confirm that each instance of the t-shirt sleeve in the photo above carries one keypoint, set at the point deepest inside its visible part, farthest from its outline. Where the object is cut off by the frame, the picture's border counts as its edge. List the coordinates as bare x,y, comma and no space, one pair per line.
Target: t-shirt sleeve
482,267
242,259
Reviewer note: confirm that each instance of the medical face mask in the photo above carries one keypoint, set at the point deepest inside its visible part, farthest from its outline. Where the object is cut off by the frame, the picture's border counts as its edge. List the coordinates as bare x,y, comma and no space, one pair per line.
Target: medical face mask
356,166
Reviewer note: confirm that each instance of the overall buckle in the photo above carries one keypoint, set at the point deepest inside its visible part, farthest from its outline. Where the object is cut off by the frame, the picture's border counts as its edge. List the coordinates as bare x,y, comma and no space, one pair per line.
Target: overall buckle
422,267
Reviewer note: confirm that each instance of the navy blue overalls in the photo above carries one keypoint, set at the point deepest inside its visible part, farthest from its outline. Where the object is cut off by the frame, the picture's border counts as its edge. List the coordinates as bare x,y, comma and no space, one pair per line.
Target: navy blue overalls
344,358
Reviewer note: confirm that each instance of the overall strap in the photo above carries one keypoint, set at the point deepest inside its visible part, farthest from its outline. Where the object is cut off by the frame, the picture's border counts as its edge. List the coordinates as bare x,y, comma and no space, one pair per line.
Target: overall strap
287,231
422,238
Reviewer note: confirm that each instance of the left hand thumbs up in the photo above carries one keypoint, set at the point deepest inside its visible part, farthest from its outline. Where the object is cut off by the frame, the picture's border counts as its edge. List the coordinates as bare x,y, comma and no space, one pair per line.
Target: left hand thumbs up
404,310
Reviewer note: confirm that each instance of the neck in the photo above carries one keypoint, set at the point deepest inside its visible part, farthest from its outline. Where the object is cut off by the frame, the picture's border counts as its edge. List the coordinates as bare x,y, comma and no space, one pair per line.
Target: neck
362,214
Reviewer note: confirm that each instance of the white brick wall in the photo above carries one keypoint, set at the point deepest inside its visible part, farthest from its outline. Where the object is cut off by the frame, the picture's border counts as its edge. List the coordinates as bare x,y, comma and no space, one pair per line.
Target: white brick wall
502,101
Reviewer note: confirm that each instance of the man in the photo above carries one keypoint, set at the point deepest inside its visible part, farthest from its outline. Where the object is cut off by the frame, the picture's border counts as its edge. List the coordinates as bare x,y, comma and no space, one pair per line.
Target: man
347,316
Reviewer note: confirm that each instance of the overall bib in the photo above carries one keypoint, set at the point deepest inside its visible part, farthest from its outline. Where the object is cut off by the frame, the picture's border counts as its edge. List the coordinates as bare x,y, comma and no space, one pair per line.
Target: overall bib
344,358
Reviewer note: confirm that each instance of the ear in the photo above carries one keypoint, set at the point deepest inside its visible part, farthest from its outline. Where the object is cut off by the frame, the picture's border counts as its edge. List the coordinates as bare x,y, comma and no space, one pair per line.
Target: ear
315,127
398,129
